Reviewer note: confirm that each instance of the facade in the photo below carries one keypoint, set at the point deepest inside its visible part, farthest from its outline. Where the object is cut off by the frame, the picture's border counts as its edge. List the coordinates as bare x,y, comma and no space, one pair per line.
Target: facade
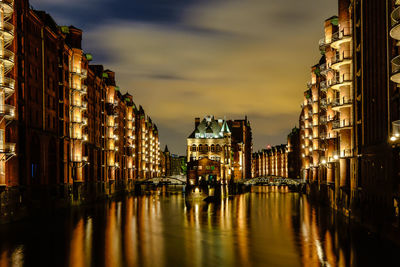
349,123
67,133
227,142
211,139
173,164
280,161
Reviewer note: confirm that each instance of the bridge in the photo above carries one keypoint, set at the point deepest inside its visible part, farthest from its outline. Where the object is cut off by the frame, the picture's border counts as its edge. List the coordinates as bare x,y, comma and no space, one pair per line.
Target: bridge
272,181
171,180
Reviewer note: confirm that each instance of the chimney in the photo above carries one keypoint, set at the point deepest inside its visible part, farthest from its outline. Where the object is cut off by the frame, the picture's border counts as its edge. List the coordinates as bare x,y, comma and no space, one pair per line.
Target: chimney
196,122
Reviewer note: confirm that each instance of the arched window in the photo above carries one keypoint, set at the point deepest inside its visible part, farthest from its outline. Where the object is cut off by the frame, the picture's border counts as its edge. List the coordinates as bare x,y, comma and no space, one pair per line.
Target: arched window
200,148
193,148
212,148
218,148
206,148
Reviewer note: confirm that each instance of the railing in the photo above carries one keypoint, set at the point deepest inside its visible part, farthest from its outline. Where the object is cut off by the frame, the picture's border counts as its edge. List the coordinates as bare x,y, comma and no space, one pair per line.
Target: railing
322,42
337,124
395,65
339,35
7,148
395,16
345,153
395,131
7,110
79,87
323,85
342,102
7,27
339,57
79,71
7,55
322,67
7,2
339,79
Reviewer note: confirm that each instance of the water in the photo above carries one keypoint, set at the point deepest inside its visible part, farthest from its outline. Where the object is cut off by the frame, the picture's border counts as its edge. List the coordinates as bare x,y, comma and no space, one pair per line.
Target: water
268,227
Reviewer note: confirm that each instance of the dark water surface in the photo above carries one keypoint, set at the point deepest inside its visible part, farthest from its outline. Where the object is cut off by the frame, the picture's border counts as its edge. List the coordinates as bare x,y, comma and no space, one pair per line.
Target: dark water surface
269,227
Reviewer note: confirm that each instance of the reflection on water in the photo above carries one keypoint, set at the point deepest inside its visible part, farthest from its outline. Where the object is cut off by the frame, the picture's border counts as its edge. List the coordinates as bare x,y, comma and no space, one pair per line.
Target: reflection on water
267,227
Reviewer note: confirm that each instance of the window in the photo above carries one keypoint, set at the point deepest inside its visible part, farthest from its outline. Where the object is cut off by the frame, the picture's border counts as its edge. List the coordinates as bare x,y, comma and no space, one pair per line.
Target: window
218,148
193,148
212,148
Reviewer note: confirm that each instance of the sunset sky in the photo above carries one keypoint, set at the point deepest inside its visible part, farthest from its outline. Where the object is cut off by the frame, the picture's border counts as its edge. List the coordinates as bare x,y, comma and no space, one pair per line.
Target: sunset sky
182,59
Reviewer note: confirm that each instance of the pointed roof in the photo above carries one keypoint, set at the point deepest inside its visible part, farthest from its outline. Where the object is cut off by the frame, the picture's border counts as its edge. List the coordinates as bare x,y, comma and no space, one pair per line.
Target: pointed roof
225,127
166,149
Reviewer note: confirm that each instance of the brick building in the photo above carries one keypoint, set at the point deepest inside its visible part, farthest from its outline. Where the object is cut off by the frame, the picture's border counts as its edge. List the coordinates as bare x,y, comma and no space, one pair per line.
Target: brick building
67,133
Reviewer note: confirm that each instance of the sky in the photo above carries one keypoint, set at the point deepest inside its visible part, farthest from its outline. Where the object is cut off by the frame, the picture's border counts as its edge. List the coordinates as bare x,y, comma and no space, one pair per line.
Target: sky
182,59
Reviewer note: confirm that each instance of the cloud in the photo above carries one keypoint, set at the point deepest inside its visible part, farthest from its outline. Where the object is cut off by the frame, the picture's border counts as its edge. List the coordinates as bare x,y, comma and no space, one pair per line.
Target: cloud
224,57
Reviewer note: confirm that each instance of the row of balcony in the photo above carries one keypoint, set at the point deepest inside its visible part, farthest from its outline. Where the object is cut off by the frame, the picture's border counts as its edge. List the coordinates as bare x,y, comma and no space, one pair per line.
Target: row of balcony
395,64
7,59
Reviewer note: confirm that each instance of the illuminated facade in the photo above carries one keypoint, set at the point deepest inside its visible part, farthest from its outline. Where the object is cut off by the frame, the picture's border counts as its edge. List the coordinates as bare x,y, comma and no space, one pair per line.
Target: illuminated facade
67,133
211,139
7,87
349,123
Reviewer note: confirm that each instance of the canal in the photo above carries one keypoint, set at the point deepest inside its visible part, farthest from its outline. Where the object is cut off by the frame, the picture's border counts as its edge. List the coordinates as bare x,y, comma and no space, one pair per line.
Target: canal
267,227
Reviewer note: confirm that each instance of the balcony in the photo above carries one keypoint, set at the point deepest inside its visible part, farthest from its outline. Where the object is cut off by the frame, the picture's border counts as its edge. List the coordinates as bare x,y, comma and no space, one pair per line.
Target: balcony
7,111
323,44
322,120
395,30
323,85
7,31
341,103
341,59
7,86
395,138
395,76
7,148
341,37
341,125
79,88
340,80
306,103
346,153
8,7
82,73
8,59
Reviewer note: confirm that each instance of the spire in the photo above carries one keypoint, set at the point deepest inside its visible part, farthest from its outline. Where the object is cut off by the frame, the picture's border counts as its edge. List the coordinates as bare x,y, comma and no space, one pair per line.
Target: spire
225,128
166,149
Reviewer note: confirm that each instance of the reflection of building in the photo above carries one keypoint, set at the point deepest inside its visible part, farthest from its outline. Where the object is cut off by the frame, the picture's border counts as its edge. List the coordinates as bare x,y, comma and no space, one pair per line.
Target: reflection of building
226,142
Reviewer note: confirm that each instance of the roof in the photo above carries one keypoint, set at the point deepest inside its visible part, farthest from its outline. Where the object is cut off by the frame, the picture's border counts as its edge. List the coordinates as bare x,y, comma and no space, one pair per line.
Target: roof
210,127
